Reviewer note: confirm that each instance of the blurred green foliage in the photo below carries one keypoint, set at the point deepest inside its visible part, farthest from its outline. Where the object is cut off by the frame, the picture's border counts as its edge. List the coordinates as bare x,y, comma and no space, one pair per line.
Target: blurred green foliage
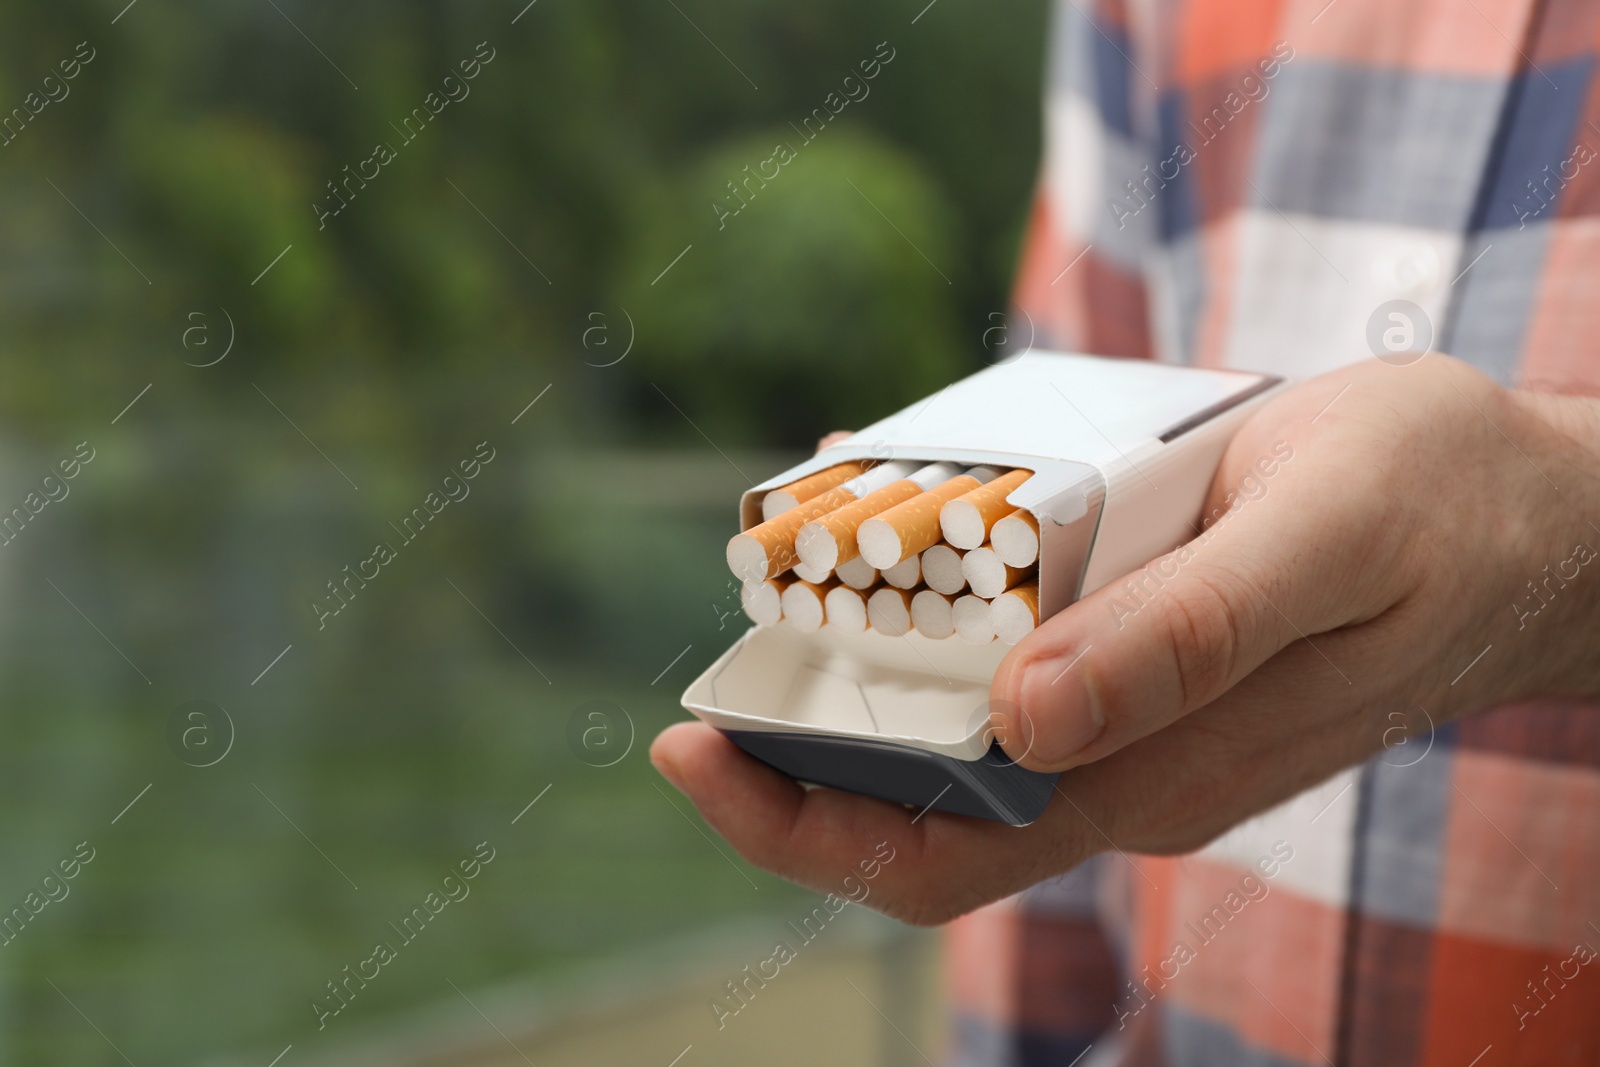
454,288
594,145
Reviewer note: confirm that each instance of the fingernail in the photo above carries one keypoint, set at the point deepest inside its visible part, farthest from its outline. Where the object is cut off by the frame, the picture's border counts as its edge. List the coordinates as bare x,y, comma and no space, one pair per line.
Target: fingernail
1063,717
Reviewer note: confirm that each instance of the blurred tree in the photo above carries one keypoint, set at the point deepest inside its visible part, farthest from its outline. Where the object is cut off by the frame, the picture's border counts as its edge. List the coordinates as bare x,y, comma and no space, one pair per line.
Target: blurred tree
586,156
825,300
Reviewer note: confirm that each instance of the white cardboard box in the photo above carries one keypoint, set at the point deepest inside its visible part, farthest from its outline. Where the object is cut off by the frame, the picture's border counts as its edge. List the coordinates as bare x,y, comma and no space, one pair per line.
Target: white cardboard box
1123,452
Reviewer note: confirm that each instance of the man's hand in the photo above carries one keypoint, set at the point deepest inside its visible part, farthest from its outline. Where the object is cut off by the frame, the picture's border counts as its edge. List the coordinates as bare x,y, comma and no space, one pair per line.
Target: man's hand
1379,540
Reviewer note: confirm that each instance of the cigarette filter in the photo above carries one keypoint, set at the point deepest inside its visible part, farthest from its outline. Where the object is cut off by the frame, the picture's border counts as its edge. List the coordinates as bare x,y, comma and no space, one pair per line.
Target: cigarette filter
889,611
763,601
803,606
987,576
857,573
779,501
846,609
941,569
816,576
971,615
767,550
1015,539
905,574
908,528
1015,612
931,615
967,519
829,539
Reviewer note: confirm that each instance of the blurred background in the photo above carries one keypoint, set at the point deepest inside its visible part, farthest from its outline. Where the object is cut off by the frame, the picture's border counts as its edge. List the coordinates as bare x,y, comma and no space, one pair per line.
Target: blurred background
279,268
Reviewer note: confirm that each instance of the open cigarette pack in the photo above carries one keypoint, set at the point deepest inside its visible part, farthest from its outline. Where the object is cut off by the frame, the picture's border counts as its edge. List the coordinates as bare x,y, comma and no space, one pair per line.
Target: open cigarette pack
889,575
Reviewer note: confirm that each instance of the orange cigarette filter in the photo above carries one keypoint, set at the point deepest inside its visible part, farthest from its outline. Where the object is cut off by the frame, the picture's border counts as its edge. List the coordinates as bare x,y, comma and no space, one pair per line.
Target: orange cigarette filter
779,501
767,550
988,576
910,527
763,601
966,520
1015,613
931,615
941,570
1016,538
829,539
973,618
846,609
889,611
804,605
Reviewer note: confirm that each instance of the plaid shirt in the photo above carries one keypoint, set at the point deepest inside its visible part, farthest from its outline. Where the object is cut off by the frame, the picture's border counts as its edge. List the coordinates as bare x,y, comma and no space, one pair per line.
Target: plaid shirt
1249,183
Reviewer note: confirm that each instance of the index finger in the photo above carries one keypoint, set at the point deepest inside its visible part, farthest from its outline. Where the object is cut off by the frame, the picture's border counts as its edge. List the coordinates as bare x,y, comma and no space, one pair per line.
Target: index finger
833,438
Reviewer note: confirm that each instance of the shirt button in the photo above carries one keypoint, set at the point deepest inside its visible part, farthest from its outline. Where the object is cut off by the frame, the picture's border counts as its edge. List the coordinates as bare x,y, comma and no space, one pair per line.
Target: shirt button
1410,271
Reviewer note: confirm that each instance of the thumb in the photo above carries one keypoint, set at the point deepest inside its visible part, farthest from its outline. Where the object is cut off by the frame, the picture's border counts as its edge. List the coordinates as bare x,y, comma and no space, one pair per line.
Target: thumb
1147,649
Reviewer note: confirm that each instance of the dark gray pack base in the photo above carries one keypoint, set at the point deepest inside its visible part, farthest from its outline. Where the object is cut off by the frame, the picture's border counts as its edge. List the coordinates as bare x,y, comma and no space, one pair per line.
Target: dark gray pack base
989,788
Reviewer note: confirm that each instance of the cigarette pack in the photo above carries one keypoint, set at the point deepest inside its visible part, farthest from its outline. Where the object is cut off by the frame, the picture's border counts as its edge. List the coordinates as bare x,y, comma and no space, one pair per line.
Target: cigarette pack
1121,452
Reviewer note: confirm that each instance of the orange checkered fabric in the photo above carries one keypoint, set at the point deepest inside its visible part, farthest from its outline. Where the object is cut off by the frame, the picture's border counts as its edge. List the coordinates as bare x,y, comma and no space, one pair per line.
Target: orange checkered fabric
1254,183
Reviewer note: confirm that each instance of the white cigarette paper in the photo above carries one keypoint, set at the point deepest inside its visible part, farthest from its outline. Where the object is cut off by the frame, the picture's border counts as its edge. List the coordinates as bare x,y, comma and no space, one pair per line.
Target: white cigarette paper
941,569
905,574
889,611
973,620
1015,539
763,601
1015,613
931,615
987,576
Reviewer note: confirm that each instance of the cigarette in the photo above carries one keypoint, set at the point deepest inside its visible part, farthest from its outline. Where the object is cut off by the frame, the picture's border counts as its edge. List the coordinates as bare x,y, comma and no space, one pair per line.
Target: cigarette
763,601
1015,539
803,606
972,617
966,520
807,574
908,528
779,501
1015,612
889,611
987,576
829,540
846,609
767,550
857,573
931,615
941,569
905,574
